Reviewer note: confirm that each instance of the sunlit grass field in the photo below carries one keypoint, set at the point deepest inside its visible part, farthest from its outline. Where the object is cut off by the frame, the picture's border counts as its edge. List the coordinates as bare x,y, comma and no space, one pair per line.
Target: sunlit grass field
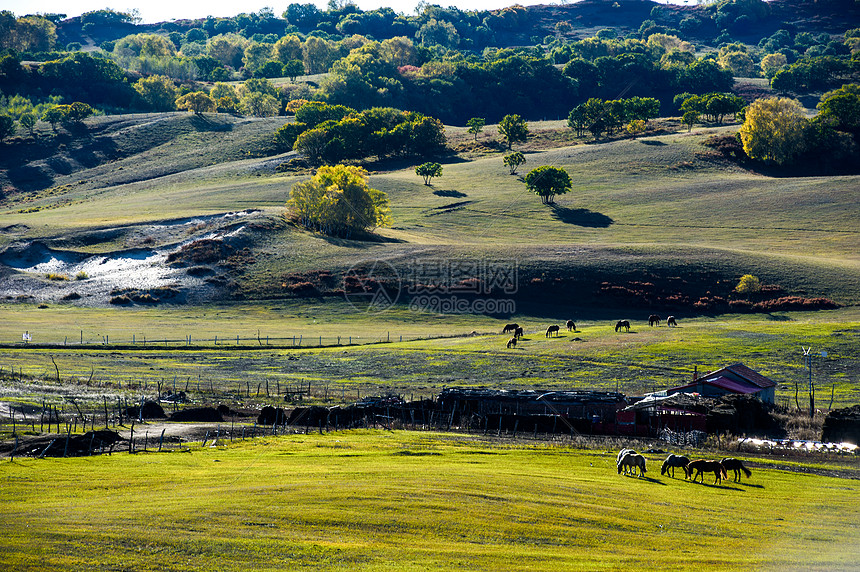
368,500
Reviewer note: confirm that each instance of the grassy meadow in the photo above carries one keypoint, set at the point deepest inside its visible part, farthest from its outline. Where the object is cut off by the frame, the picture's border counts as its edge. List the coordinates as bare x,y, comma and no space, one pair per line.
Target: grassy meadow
368,500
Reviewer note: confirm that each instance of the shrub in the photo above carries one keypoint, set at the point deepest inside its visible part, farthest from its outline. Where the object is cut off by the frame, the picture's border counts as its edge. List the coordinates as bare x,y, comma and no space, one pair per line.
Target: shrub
81,275
55,276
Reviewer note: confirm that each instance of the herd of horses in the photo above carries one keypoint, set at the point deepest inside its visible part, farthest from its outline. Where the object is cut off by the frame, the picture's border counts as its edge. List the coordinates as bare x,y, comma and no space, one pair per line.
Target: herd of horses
553,330
629,461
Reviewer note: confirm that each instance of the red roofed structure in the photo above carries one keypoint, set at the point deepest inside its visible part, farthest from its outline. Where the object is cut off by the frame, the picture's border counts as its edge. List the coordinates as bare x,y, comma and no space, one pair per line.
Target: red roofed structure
737,379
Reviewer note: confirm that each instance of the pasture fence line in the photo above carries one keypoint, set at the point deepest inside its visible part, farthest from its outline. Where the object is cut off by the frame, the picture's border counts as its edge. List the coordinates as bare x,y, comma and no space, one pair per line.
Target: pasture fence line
227,341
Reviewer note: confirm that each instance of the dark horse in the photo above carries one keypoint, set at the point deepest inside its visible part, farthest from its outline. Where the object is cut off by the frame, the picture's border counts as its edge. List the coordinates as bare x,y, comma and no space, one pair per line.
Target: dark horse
571,326
510,328
653,319
622,324
673,461
512,343
732,464
702,466
670,321
519,332
553,329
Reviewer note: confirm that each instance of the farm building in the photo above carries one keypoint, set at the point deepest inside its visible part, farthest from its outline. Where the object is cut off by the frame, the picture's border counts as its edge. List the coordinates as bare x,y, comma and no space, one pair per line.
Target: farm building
735,379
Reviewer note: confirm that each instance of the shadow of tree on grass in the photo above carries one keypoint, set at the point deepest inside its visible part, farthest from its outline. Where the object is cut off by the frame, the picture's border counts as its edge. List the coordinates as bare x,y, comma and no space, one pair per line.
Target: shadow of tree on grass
581,217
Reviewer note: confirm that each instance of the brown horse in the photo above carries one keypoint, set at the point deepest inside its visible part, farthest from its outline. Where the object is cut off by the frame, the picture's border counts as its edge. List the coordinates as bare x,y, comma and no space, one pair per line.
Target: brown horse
702,466
519,332
622,324
632,461
510,328
571,327
673,461
732,464
553,329
653,320
670,321
512,343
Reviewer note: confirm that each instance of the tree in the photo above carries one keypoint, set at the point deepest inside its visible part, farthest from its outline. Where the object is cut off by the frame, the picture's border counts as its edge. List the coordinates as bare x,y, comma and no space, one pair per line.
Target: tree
54,115
514,129
428,171
293,69
28,121
196,102
259,104
513,161
547,182
312,144
840,108
339,201
689,119
636,127
748,284
156,92
774,130
7,126
476,125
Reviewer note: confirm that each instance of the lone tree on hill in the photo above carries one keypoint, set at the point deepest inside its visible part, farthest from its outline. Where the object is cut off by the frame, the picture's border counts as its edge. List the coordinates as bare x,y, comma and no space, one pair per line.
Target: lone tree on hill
338,201
476,125
513,161
547,182
428,171
514,129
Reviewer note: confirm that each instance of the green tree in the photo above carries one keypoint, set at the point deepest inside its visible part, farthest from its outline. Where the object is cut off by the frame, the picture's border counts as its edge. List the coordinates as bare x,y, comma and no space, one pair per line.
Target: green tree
54,115
689,119
7,127
774,130
339,201
293,69
156,92
547,182
312,144
513,161
259,104
514,129
476,125
28,121
197,102
840,108
428,171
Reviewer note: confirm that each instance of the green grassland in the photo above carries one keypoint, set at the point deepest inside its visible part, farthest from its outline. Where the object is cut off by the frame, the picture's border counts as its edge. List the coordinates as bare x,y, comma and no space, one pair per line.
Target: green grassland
595,356
369,500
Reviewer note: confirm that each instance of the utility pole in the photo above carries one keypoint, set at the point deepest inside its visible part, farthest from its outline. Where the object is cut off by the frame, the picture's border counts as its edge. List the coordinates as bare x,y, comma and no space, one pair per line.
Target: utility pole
807,353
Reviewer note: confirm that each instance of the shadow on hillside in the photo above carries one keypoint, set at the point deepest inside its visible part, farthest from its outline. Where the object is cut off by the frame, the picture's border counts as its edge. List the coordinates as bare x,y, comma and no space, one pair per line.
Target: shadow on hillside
359,240
652,142
203,123
29,178
455,194
581,217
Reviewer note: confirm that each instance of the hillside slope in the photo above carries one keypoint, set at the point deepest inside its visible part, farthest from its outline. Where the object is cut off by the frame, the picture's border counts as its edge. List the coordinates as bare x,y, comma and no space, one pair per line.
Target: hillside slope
662,210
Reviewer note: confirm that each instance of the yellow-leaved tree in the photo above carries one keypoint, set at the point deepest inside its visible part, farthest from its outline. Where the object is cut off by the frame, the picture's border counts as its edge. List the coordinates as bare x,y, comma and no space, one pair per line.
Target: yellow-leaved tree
774,130
338,201
748,284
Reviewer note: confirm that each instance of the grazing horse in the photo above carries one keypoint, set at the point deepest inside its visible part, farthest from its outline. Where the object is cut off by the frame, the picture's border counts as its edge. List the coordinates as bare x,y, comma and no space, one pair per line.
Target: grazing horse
571,327
622,324
510,328
702,466
673,461
632,461
553,329
512,343
519,332
653,319
732,464
670,321
621,454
